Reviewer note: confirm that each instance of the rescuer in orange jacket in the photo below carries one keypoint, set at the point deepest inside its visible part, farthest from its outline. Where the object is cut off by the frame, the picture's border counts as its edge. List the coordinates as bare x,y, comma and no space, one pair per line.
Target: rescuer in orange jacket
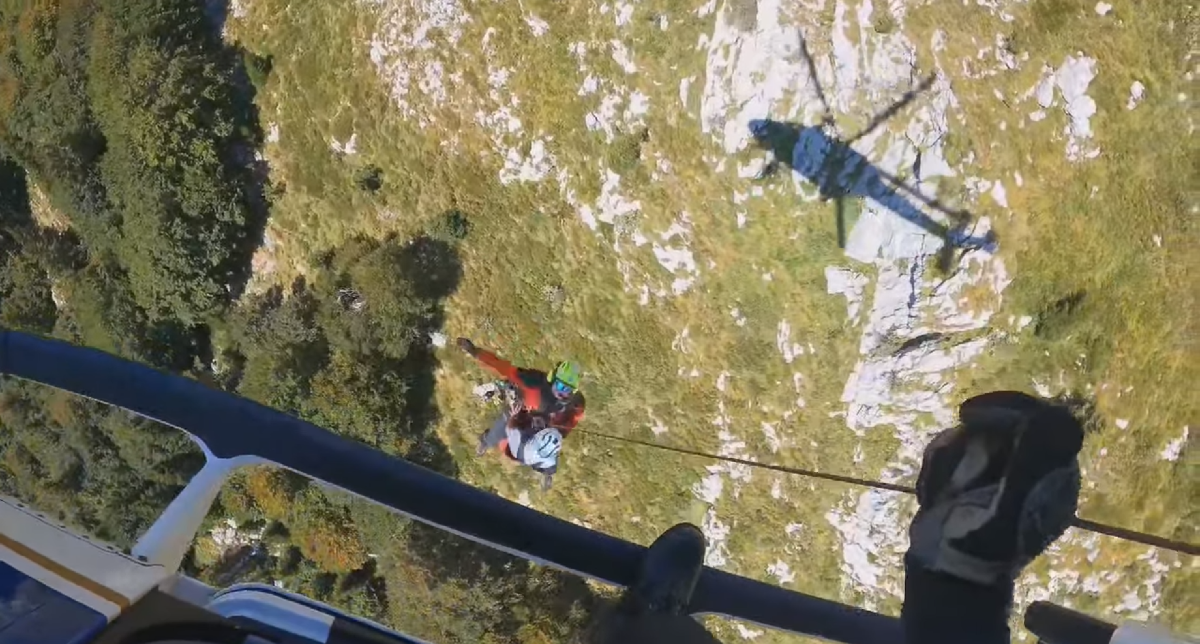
553,396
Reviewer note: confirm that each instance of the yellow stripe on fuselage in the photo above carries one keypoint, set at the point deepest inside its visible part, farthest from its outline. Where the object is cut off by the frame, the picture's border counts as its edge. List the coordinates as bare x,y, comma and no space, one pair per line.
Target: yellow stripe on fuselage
42,568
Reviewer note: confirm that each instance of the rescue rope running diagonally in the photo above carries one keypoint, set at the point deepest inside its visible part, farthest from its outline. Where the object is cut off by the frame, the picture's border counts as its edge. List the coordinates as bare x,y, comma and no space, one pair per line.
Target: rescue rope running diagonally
1083,524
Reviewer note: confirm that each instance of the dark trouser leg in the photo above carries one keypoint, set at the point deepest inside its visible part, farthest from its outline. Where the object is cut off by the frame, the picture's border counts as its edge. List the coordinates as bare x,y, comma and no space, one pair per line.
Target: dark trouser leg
492,437
654,609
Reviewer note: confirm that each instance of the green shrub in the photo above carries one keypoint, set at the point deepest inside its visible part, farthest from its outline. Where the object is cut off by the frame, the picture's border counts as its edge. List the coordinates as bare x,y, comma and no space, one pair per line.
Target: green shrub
25,299
164,96
368,302
625,152
369,178
258,68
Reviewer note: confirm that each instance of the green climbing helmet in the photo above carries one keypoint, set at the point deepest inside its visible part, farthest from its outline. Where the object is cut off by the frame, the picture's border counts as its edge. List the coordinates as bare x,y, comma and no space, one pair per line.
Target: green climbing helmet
567,373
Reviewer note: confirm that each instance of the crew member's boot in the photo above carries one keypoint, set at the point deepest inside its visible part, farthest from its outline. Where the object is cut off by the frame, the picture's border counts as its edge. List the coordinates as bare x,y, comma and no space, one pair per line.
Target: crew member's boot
654,608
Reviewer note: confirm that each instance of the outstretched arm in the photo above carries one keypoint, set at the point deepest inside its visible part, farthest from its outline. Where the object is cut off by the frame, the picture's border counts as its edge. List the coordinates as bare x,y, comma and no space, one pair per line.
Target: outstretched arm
490,361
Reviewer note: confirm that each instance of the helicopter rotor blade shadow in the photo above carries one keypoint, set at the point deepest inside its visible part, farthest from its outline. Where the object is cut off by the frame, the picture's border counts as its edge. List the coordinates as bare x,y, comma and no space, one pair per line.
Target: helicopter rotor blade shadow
827,114
894,108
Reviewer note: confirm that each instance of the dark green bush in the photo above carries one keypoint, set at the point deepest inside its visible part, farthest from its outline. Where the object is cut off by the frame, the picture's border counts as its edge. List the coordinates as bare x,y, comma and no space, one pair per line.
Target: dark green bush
258,68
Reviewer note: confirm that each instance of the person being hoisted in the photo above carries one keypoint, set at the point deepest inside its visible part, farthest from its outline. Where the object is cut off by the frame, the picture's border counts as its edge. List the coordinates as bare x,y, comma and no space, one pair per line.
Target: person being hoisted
547,407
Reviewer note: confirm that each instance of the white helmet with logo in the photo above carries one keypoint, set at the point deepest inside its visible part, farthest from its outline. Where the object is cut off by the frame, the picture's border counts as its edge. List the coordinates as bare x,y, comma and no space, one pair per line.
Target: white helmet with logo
541,450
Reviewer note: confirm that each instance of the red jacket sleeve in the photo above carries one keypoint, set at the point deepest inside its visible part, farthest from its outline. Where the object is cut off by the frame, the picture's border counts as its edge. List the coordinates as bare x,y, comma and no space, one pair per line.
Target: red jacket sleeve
498,365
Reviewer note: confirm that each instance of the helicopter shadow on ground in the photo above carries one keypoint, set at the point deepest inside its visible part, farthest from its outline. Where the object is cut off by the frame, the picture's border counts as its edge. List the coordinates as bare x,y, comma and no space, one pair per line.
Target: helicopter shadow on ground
839,171
827,158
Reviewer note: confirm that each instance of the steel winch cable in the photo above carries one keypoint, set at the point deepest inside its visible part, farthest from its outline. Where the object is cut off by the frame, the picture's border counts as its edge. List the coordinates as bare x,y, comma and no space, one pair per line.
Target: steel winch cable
1083,524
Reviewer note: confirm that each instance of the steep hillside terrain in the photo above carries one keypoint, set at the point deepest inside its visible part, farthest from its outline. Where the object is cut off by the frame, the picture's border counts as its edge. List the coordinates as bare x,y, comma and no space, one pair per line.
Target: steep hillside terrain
791,231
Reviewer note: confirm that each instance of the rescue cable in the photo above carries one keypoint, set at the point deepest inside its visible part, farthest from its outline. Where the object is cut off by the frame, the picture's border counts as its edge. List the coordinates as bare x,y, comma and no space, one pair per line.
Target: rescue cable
1082,524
